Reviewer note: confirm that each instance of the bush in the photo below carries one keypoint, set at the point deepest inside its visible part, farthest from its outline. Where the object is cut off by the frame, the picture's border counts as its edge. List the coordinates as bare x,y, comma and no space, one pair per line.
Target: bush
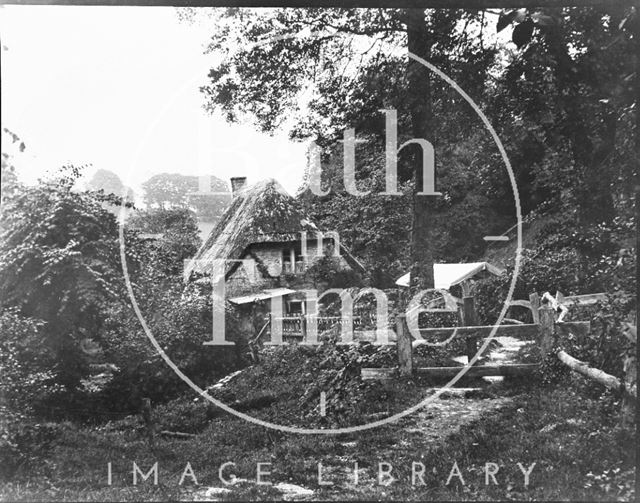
570,259
328,272
605,345
556,265
551,271
26,363
180,322
24,443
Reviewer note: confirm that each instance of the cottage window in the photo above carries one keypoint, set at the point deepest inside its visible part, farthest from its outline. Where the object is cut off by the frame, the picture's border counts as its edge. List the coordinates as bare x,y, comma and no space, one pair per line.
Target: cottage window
292,259
295,307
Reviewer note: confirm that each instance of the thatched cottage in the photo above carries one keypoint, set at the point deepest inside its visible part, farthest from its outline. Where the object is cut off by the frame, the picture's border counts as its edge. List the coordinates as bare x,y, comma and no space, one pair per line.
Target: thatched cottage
267,225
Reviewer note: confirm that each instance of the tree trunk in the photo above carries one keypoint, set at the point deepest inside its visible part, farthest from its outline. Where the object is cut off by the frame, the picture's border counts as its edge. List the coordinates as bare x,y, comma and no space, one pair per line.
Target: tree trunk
419,93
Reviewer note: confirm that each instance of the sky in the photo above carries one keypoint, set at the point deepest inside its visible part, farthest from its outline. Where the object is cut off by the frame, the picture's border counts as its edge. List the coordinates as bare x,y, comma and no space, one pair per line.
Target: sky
117,88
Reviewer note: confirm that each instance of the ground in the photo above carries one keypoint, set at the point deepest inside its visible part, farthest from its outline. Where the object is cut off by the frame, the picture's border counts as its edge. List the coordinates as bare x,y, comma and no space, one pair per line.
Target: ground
572,436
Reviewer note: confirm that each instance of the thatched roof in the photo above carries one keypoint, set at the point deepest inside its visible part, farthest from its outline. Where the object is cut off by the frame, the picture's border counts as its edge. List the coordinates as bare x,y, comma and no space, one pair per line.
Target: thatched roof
261,213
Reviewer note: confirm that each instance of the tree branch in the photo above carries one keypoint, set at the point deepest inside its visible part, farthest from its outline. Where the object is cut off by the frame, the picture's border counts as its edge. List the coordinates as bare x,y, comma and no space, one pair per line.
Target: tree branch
389,4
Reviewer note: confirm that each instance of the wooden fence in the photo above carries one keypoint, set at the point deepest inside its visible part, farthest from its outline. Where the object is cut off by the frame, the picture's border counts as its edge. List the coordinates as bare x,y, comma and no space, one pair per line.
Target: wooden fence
544,331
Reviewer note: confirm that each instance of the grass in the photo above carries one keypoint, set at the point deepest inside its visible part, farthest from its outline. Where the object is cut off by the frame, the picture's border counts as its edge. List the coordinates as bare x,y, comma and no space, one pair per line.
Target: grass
579,451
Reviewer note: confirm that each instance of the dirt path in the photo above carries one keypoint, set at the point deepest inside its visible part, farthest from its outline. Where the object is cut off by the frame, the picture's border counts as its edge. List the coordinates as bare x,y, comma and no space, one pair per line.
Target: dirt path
438,420
506,353
443,417
431,425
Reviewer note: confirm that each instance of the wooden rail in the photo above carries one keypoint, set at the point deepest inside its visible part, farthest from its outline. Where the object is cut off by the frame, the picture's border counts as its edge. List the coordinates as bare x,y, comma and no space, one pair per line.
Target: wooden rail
478,371
581,300
448,372
527,331
543,332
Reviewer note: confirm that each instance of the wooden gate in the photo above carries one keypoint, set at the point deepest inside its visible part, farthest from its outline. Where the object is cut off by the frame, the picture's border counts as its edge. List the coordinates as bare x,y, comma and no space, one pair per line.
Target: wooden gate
542,330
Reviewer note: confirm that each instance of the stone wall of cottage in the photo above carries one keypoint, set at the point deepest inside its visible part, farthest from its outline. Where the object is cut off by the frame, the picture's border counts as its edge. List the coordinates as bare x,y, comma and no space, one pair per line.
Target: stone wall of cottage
270,254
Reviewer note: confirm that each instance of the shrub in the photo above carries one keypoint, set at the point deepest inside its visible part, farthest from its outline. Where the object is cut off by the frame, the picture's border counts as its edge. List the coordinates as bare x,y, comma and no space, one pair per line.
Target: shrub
59,263
180,322
24,443
26,362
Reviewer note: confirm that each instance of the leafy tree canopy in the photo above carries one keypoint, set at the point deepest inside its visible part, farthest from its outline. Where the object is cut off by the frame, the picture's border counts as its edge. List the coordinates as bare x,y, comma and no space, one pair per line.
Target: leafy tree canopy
59,263
561,99
167,190
110,183
180,236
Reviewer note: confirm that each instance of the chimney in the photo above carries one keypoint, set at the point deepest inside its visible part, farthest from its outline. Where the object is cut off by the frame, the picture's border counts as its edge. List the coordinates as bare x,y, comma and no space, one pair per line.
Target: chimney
237,184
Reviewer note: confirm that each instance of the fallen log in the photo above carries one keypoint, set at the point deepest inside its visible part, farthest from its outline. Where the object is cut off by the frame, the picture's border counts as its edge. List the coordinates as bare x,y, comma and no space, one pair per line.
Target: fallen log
582,300
597,375
519,369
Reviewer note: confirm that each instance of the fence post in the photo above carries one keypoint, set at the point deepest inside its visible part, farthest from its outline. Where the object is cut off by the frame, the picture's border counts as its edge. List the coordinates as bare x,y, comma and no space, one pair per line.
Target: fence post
405,356
534,299
303,327
469,319
547,320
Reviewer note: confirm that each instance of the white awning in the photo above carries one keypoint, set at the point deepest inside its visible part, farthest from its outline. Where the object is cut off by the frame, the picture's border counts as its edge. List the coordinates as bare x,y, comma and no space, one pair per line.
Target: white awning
265,294
447,275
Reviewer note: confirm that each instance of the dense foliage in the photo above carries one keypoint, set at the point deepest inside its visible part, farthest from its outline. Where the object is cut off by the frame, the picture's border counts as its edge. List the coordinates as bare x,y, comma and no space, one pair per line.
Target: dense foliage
60,265
562,102
71,344
561,98
175,236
